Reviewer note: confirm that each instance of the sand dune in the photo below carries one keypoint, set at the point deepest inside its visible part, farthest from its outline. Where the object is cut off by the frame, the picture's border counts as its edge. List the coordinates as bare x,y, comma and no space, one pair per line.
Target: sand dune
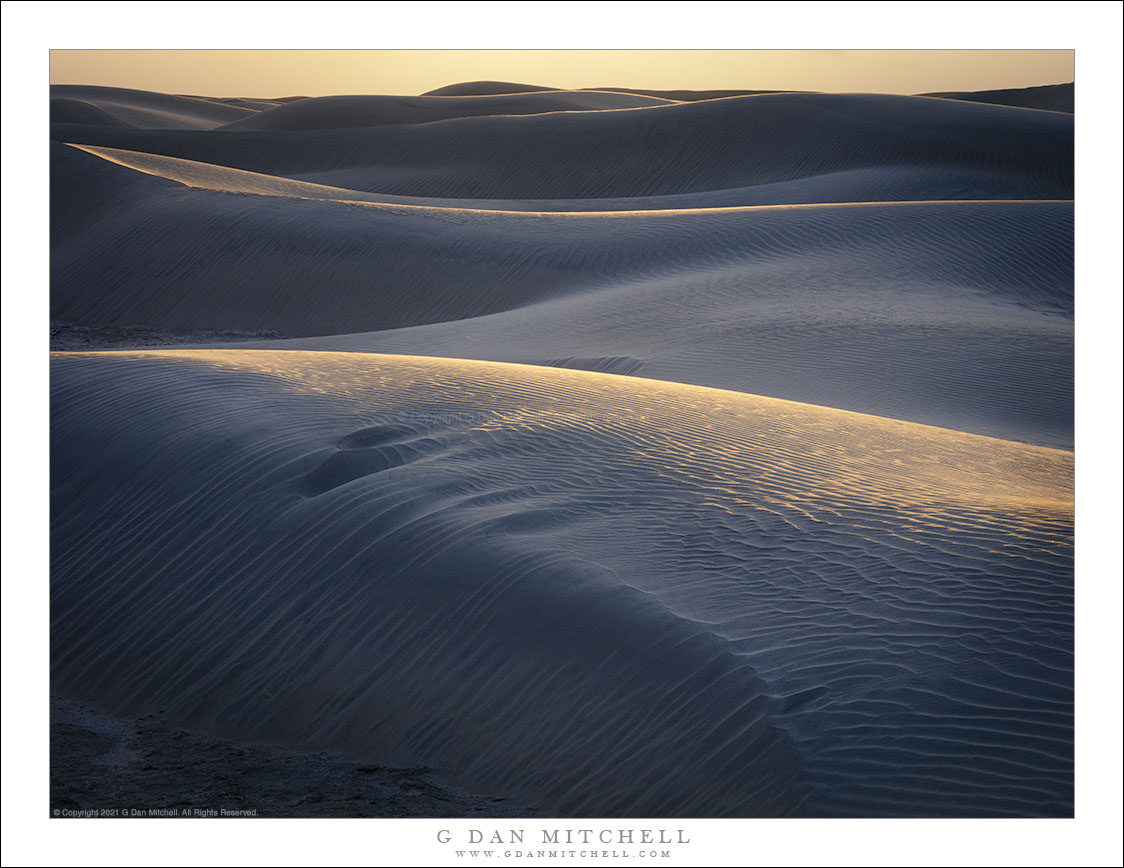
669,600
620,457
476,88
141,108
485,88
674,149
693,95
257,105
1051,97
936,355
338,112
77,111
956,313
901,183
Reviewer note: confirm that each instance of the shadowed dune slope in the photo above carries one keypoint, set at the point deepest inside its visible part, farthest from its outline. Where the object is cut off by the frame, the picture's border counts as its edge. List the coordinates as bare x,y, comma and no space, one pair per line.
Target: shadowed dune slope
142,109
669,600
666,150
1051,97
65,110
878,184
933,354
251,103
1015,251
949,313
339,112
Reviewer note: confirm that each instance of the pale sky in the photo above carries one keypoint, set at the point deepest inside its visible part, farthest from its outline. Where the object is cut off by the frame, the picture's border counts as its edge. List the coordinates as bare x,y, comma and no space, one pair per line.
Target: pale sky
275,73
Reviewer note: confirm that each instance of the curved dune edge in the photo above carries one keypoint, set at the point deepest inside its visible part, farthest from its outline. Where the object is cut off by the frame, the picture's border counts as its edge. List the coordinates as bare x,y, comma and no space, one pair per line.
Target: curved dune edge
671,601
955,316
1045,474
150,109
1051,97
958,147
357,111
498,88
1048,97
223,179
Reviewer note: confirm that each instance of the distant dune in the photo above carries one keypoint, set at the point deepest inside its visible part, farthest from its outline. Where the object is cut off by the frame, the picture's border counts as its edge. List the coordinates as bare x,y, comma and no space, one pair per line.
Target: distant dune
76,111
614,454
693,95
485,88
668,150
144,110
476,88
257,105
1051,97
339,112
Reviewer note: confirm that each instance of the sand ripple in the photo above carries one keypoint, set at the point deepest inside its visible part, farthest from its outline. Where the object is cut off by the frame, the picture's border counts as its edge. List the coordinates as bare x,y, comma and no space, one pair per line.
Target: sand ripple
603,595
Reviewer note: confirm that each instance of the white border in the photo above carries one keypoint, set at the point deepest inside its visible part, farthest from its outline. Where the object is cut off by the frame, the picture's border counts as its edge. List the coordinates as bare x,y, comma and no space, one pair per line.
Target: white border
30,29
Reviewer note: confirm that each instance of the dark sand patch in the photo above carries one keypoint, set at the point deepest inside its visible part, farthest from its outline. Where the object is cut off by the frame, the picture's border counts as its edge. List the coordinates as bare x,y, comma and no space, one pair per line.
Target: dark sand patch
76,336
148,768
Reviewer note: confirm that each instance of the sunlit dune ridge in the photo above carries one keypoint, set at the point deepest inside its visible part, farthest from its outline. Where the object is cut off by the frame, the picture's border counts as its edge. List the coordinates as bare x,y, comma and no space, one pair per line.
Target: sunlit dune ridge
208,176
956,314
834,453
670,600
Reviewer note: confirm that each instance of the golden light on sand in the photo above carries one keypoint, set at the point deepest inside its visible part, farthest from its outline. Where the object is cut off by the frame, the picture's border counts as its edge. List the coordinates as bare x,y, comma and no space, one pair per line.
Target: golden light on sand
716,449
204,176
275,73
